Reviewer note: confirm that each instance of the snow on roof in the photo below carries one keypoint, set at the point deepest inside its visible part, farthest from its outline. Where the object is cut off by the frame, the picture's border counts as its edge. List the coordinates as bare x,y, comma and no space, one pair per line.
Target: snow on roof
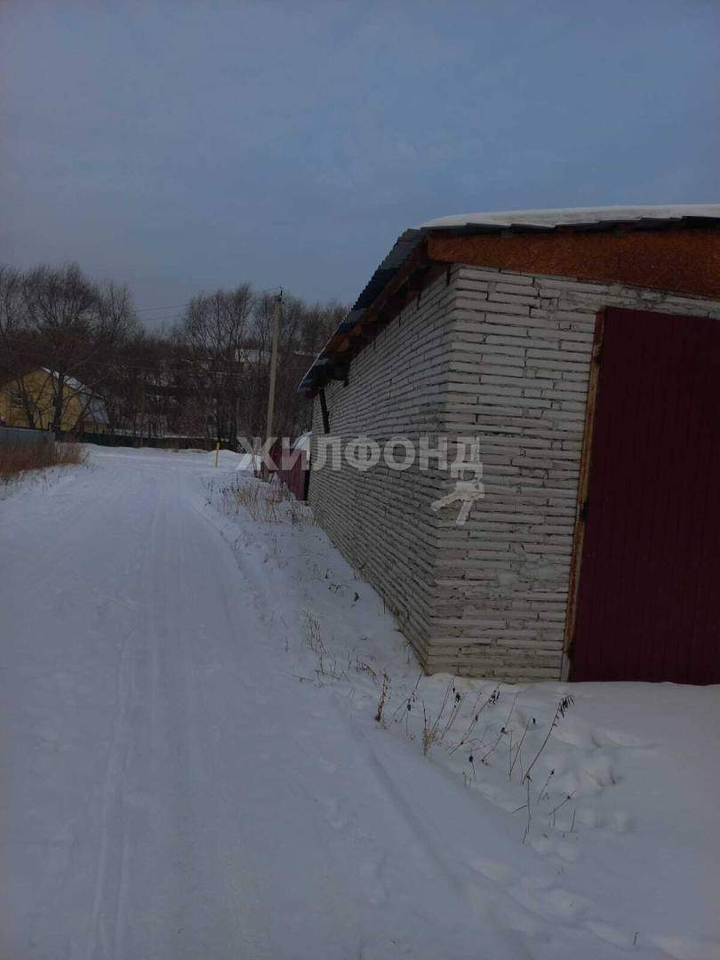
575,215
582,218
70,381
94,405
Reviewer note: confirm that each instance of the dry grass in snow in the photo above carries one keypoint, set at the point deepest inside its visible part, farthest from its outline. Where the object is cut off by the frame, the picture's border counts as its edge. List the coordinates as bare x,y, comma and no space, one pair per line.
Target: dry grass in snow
265,502
606,787
19,458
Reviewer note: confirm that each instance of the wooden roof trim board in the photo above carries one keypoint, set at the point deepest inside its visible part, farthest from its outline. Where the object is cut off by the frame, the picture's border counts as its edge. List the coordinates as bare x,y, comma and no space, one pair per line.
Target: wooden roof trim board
682,259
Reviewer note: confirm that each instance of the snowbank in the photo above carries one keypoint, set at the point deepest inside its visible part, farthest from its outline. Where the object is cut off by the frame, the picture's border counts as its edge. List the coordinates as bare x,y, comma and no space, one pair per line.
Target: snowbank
619,848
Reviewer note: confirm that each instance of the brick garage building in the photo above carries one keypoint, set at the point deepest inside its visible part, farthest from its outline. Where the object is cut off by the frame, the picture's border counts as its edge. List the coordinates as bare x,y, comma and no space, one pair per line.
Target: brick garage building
582,347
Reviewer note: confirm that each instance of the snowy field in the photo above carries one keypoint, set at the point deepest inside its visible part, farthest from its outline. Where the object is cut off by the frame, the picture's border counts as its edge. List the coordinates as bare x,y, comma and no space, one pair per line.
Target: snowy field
192,764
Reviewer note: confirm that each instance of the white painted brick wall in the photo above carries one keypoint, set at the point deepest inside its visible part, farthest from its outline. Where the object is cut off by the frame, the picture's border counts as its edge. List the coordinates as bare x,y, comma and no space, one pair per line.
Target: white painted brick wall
502,356
381,519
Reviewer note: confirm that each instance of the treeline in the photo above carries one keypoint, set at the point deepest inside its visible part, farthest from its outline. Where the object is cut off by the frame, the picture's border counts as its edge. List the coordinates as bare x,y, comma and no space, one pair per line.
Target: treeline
206,377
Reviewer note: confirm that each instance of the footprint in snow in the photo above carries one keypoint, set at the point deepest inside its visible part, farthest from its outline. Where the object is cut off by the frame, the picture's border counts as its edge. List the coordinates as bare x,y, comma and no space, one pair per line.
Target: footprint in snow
566,850
617,738
550,902
370,874
508,911
333,813
621,821
499,872
369,871
610,934
307,743
588,817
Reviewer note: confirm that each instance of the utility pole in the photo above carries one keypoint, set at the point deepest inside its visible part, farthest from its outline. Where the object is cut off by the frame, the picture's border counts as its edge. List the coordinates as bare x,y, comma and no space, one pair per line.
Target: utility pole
273,373
236,392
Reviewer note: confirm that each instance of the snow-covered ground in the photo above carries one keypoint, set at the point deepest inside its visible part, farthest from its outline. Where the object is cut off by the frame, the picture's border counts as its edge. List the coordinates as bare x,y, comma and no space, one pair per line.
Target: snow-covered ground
192,768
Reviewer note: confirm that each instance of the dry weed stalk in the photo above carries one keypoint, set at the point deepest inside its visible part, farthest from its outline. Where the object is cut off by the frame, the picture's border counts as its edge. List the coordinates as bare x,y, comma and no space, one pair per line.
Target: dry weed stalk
383,697
437,730
563,706
263,502
327,662
17,458
475,713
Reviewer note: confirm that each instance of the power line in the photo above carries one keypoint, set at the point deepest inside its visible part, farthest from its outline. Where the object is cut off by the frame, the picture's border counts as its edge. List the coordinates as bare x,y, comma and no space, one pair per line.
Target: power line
178,306
174,306
170,319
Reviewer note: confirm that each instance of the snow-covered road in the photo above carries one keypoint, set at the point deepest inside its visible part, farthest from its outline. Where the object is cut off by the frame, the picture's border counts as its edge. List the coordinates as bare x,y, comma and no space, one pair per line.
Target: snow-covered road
169,794
179,781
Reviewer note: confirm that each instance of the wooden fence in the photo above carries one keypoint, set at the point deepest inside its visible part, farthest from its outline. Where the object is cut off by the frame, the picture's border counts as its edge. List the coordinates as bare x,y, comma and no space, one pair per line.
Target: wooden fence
25,436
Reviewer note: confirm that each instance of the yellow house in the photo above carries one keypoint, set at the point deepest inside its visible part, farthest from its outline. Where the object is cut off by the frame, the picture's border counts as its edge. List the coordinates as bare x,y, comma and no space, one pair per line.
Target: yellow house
29,401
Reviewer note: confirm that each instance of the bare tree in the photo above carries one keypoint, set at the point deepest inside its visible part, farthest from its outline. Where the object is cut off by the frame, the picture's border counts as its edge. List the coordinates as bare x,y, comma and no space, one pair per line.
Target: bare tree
209,377
230,396
213,333
16,351
79,326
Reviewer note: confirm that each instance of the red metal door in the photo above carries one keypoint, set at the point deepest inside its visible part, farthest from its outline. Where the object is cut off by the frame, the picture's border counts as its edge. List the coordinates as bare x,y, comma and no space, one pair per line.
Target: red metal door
648,604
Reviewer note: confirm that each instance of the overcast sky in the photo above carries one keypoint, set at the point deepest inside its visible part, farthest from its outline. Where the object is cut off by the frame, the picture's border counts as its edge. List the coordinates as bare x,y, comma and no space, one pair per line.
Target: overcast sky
180,146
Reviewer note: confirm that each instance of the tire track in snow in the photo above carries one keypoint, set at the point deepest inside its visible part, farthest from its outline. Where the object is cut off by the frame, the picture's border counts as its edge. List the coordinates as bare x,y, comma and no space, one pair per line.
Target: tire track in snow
109,898
195,808
100,936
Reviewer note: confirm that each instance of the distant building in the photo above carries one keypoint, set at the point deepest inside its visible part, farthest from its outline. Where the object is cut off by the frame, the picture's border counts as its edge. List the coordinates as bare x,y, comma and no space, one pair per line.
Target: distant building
582,349
28,400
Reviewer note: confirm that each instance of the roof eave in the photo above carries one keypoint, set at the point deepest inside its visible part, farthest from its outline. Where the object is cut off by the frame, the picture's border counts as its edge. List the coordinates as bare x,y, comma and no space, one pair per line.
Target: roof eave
408,242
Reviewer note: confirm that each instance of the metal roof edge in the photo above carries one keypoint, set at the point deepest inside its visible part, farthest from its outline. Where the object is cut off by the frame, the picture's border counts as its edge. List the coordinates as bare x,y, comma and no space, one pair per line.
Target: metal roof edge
409,240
